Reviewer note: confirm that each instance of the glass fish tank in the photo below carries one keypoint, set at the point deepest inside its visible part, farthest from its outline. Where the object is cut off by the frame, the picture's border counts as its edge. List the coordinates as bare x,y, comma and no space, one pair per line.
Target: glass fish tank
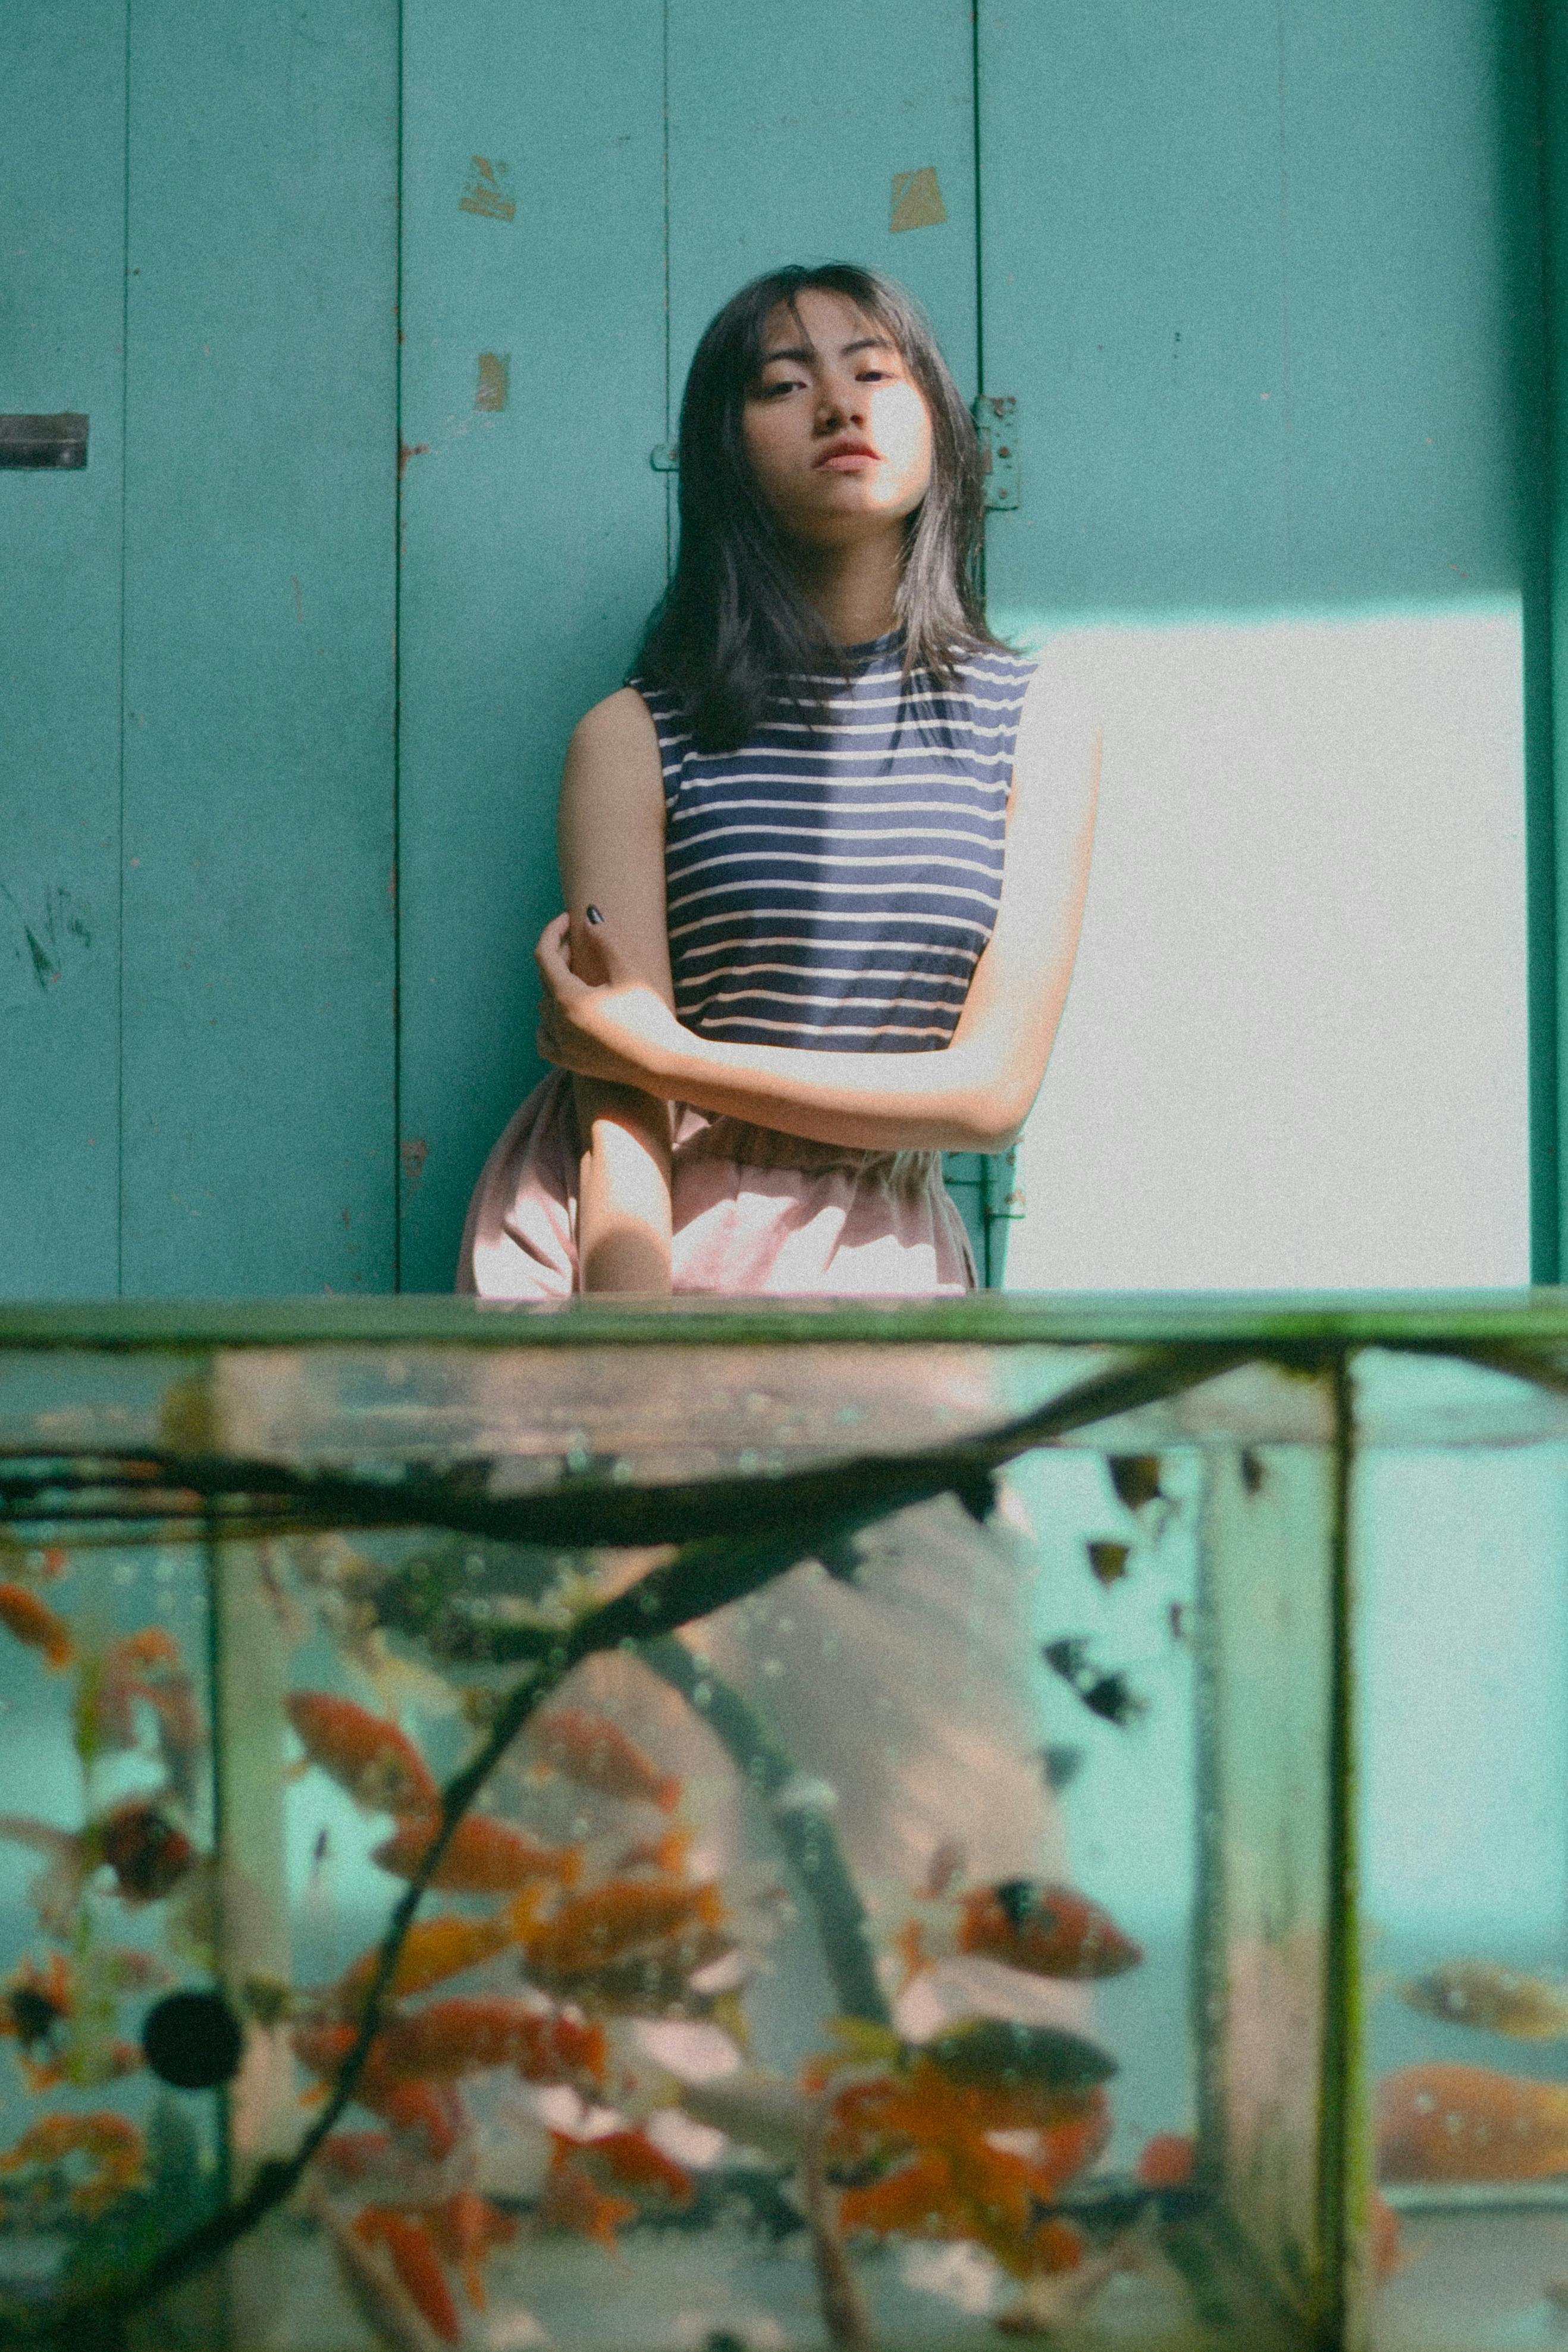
737,1826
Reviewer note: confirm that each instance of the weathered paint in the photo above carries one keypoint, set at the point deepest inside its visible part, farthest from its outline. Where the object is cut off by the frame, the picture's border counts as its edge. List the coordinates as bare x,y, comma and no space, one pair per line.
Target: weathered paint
62,192
773,159
532,537
916,201
258,1058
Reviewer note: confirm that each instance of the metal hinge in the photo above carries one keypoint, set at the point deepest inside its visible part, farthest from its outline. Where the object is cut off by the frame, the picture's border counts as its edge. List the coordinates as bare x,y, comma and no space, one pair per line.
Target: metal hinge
995,415
1004,1201
664,457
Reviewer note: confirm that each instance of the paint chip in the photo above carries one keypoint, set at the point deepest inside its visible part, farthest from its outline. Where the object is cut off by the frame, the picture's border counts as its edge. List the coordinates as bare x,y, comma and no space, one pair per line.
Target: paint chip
917,200
495,380
483,194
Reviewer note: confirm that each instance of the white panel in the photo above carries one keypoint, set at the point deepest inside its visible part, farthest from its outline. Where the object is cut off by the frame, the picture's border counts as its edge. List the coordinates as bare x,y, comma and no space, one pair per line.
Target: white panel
1295,1050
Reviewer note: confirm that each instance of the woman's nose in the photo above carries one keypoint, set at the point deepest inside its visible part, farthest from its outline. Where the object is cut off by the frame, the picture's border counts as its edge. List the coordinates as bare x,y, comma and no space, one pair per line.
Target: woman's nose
837,406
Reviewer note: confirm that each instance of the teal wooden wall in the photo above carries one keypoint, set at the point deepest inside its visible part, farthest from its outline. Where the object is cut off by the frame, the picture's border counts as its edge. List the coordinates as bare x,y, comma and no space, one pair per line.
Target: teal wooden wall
281,746
196,674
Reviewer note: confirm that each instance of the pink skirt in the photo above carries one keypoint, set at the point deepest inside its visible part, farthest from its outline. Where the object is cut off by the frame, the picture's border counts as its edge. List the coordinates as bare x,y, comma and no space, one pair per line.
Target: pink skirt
756,1214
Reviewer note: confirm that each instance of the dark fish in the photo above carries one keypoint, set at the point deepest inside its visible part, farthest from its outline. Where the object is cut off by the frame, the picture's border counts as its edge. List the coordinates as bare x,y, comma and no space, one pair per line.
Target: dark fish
1061,1763
1176,1618
1113,1697
34,2015
148,1854
841,1560
1107,1561
978,1497
997,2053
1251,1470
1108,1696
1136,1478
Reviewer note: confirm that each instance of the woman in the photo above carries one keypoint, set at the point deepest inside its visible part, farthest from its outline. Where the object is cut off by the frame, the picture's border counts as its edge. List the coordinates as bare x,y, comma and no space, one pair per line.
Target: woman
824,857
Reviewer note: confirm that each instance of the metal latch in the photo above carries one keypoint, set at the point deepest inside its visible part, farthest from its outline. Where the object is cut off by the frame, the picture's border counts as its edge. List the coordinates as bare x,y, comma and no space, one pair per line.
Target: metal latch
995,415
43,440
1003,1201
665,458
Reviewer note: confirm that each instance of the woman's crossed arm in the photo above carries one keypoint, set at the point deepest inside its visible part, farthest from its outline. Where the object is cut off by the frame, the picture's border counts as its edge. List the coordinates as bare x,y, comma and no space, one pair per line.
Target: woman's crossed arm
972,1094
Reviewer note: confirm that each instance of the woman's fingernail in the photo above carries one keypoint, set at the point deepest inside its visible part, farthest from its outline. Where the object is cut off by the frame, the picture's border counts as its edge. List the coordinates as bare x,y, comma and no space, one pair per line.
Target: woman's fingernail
593,914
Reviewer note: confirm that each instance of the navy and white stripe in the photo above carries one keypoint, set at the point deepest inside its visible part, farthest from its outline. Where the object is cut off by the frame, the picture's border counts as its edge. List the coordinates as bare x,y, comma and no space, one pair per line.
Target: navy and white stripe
837,885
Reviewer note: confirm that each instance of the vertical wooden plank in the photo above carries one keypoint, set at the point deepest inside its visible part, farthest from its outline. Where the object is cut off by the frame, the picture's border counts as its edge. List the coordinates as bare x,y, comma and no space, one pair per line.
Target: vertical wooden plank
1251,277
259,1046
62,184
795,135
1134,300
790,142
532,395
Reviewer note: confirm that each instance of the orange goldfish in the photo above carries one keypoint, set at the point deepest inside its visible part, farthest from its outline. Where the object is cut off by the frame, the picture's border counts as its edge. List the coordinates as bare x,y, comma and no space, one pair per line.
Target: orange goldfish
650,1981
630,2159
623,1914
1387,2252
65,2009
1469,2122
365,1754
417,2263
965,2188
948,2177
435,1950
147,1854
34,2001
24,1614
1167,2161
454,2037
573,2201
1045,1930
484,1856
351,2157
112,2150
596,1753
465,2227
148,1666
668,1852
428,2119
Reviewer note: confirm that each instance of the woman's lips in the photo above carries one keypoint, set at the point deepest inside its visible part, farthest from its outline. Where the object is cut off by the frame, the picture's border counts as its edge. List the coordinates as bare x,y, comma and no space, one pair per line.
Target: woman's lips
847,461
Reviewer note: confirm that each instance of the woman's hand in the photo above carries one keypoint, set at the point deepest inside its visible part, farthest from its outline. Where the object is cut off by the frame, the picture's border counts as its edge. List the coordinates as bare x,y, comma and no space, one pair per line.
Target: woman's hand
620,1031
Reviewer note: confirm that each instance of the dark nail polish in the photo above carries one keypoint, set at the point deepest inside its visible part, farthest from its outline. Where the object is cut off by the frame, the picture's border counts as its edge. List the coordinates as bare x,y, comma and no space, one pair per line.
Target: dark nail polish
593,914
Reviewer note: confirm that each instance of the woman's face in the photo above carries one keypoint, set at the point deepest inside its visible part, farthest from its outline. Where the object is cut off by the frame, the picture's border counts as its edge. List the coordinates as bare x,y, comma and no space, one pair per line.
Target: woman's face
837,433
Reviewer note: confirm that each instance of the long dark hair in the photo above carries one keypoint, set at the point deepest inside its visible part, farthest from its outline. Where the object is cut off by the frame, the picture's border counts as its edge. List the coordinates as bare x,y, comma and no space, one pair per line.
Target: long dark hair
732,621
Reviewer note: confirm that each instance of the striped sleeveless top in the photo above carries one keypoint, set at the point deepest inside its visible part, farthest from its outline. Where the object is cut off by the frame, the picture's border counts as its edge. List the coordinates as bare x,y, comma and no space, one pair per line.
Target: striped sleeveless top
837,885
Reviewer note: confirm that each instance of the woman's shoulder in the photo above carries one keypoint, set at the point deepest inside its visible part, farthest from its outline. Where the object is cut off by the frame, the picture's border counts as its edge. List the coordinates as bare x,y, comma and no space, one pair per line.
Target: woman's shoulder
621,721
993,672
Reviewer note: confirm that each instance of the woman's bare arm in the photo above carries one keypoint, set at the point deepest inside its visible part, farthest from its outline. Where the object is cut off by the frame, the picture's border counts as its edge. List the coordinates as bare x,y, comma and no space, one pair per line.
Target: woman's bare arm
972,1094
610,842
